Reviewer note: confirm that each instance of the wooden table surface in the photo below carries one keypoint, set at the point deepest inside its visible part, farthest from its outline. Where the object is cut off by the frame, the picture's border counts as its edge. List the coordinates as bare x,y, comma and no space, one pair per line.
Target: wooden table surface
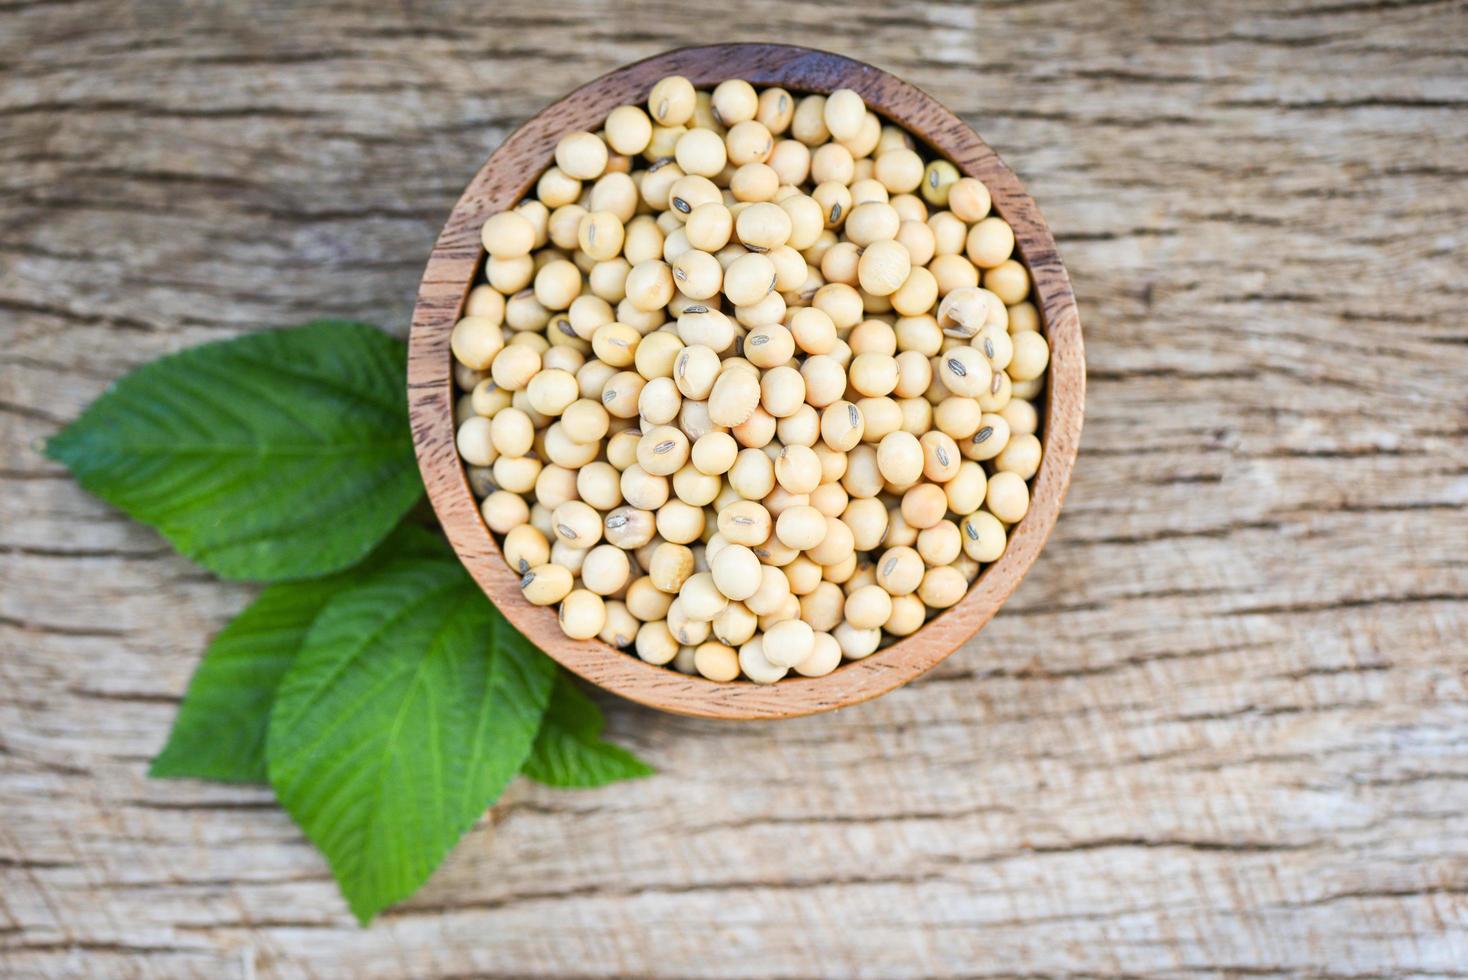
1221,728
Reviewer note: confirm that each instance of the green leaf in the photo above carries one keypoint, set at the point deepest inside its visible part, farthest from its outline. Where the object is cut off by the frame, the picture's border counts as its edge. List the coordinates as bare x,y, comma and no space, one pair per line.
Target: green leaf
219,732
277,455
569,751
410,707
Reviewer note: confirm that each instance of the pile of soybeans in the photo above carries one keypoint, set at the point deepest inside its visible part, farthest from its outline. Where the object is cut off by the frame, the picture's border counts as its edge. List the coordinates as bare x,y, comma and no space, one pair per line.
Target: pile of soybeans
750,384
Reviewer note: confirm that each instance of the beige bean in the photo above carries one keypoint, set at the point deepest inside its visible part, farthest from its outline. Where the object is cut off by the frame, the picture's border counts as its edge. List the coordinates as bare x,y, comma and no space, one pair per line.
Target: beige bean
546,585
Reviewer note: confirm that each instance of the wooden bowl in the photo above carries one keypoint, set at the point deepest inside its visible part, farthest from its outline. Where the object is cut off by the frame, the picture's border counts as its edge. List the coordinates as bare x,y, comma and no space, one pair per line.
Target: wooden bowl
511,172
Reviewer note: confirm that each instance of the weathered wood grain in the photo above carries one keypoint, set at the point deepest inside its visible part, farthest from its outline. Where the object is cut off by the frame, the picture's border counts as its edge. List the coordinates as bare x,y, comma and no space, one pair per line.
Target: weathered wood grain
1222,727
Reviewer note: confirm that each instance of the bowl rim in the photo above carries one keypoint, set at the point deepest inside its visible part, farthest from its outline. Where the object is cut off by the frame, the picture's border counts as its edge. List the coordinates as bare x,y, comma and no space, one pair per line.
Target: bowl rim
511,171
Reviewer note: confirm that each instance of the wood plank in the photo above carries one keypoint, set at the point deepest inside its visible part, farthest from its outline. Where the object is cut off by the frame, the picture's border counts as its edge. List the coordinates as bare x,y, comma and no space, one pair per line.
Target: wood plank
1221,726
